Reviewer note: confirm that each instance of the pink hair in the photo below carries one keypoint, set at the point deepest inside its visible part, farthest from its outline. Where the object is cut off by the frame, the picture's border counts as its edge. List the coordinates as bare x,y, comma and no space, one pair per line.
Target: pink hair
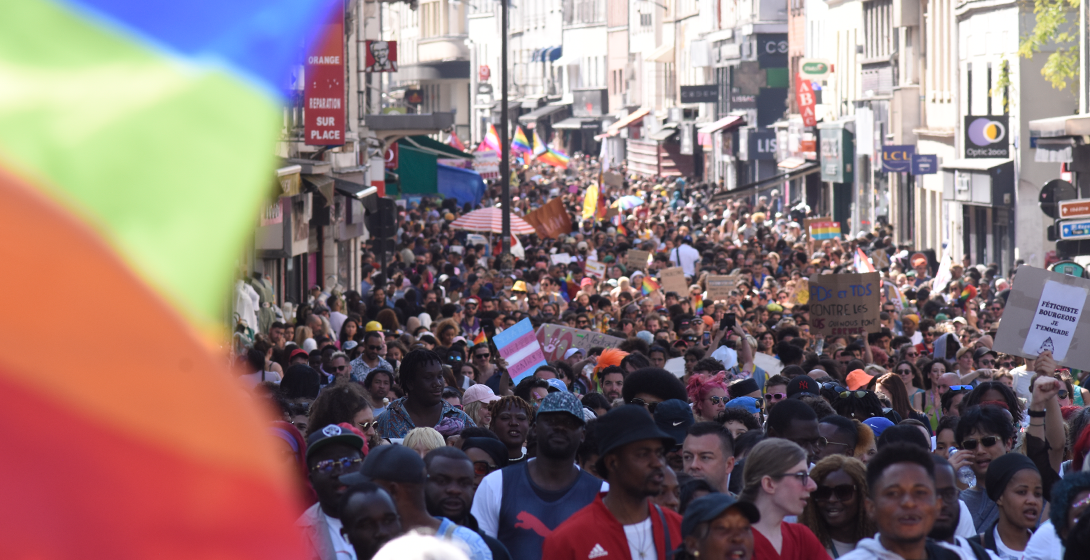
700,385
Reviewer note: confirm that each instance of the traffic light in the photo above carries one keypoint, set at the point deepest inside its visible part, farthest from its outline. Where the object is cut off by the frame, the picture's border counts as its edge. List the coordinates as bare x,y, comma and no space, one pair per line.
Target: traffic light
383,222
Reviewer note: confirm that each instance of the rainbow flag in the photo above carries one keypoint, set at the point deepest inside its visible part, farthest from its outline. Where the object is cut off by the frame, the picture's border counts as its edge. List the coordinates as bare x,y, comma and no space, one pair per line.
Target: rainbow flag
519,144
622,230
555,158
539,146
145,172
648,286
698,305
491,140
455,142
824,230
862,262
479,339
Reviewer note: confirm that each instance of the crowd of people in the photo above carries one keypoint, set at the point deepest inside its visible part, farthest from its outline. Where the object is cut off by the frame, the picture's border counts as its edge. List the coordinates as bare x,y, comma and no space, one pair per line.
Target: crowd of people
710,429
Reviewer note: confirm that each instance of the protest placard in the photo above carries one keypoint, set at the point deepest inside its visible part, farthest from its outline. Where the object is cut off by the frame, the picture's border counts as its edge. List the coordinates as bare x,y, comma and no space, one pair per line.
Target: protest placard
551,220
673,280
719,287
595,268
636,259
800,294
519,346
557,339
845,304
560,258
613,179
1043,312
807,221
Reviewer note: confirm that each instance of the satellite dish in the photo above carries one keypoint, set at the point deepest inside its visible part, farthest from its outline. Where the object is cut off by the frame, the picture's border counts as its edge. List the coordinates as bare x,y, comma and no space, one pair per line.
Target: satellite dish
1052,194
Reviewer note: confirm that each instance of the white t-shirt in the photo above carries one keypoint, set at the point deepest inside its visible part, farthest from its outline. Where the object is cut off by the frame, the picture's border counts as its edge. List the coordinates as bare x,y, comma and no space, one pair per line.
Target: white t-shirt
965,526
641,541
251,380
1045,544
688,258
340,544
1003,552
336,320
964,550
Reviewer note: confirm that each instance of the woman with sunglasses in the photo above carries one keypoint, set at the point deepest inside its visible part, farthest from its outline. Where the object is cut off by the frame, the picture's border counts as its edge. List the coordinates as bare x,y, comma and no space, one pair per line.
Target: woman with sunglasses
835,511
913,381
776,480
984,434
708,393
343,402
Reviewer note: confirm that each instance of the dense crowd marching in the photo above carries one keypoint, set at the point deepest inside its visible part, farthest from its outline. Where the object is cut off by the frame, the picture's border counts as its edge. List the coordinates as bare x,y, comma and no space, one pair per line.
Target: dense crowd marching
410,440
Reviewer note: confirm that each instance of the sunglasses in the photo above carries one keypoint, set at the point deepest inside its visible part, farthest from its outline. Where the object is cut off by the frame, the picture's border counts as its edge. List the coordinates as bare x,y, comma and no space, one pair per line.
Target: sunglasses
961,387
375,348
364,426
986,441
335,466
339,369
455,358
801,475
1062,394
857,394
649,406
483,468
717,400
843,492
775,397
482,356
904,372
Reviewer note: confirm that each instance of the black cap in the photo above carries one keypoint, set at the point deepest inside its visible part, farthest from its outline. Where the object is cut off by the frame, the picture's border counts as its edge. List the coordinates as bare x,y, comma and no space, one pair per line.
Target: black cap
742,388
395,463
674,417
981,352
626,424
330,435
803,384
710,506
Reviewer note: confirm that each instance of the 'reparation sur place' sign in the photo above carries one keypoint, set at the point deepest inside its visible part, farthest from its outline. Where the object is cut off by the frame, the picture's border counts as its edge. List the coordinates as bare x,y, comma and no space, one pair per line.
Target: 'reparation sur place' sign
323,96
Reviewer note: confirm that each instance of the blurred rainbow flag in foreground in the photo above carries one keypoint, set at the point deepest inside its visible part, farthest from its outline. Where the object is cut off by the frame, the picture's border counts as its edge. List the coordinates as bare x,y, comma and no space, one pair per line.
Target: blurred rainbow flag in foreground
136,144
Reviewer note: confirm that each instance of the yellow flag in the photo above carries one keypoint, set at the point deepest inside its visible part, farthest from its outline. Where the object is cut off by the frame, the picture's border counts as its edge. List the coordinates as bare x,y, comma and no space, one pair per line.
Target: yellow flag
590,202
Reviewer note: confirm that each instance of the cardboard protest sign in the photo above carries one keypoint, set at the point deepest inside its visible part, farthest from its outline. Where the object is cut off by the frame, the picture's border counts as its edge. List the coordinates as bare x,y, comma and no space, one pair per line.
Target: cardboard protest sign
560,258
1044,312
800,294
613,179
675,366
719,287
673,280
845,303
551,220
595,268
824,230
557,339
520,347
636,259
807,221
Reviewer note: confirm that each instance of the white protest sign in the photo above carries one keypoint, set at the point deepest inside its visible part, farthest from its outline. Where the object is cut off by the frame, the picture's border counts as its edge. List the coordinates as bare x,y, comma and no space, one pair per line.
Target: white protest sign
1054,323
560,258
595,268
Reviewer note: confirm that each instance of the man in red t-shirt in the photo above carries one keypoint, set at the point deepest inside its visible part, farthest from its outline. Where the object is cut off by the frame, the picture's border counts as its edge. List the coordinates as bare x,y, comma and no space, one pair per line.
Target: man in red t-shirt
623,524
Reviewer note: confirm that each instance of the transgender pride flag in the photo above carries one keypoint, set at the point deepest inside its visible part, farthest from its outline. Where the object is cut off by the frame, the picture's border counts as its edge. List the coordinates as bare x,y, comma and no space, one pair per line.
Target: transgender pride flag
519,346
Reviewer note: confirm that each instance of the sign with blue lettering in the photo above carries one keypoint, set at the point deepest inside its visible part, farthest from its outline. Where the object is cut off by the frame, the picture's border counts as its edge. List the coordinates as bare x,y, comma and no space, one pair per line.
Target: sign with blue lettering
925,164
1079,229
897,159
845,304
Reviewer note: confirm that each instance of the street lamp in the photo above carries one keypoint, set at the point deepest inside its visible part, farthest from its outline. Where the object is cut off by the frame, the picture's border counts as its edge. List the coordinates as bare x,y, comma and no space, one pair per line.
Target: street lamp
506,260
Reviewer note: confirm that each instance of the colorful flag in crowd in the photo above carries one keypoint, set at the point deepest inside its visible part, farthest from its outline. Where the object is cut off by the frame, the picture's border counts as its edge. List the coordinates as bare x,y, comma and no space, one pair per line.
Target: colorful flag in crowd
824,230
479,339
967,293
491,140
698,305
648,286
862,262
539,146
455,142
185,82
590,202
519,346
554,157
519,144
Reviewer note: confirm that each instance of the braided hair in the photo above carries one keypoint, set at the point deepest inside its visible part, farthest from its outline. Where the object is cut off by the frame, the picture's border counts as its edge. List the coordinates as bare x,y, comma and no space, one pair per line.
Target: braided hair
854,468
511,401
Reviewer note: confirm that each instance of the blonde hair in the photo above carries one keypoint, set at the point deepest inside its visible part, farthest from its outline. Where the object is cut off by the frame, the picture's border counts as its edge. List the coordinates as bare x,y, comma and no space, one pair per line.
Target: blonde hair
429,438
473,409
302,333
771,457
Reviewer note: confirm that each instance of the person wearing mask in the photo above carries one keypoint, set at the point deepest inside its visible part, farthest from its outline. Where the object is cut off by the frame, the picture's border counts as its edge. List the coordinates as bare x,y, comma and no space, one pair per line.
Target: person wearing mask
626,524
945,531
333,454
708,453
423,404
776,480
836,511
904,505
984,434
1014,484
718,526
369,519
401,473
524,503
449,490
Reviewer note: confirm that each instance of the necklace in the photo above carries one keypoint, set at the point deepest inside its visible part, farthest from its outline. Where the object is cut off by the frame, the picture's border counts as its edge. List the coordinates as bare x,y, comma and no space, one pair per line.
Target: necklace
642,545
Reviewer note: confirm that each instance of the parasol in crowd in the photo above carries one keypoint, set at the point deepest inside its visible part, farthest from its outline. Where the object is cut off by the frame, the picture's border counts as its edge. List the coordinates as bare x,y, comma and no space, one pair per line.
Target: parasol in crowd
490,220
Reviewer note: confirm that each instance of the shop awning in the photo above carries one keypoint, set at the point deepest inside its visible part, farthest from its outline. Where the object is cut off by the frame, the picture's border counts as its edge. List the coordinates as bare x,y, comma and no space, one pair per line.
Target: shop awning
791,163
1054,150
725,123
541,113
579,123
434,147
800,171
973,164
628,120
1074,125
664,53
417,171
322,184
668,130
567,60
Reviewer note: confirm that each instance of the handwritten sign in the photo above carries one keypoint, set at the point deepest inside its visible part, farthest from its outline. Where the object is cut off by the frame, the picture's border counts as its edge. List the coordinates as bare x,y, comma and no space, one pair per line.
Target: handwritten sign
720,287
636,259
1044,312
595,268
555,340
673,280
520,347
560,258
845,304
800,294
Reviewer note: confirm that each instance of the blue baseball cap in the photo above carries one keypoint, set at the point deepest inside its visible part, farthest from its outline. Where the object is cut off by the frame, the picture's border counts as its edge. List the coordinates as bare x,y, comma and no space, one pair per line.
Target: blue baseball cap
749,404
557,384
561,401
878,424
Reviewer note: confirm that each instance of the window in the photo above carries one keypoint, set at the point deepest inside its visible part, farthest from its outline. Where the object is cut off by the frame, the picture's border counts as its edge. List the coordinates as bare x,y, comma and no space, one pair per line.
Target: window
645,20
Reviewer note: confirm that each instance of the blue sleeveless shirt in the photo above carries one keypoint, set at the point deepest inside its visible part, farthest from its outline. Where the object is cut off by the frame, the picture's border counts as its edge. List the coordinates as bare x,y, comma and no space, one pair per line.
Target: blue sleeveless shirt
529,513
